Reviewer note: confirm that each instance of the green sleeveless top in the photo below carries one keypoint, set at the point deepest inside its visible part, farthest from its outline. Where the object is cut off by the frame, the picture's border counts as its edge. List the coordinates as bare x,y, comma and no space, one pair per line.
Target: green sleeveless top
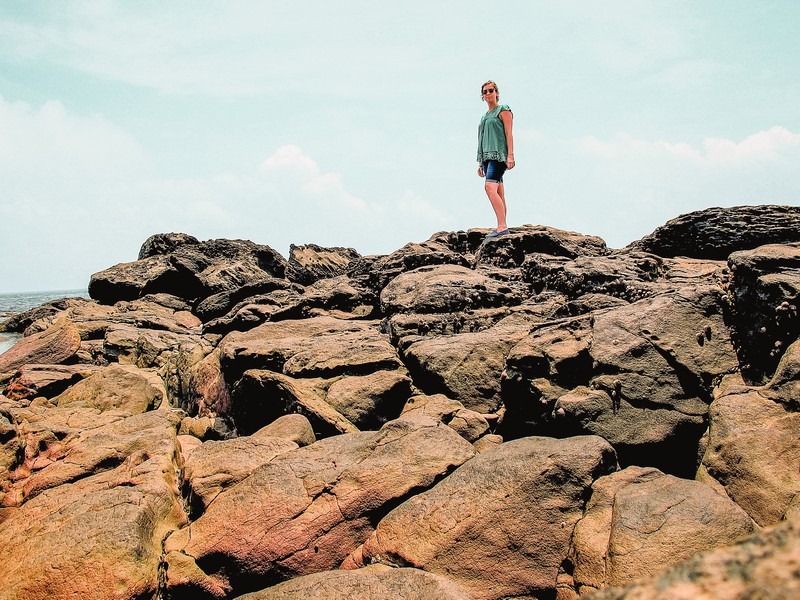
492,144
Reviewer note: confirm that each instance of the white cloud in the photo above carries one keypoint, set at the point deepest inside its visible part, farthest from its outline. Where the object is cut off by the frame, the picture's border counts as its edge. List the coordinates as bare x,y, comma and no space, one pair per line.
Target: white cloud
290,157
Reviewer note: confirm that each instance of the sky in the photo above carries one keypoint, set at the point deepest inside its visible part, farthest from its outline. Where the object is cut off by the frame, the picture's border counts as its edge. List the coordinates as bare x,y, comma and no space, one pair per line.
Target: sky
354,124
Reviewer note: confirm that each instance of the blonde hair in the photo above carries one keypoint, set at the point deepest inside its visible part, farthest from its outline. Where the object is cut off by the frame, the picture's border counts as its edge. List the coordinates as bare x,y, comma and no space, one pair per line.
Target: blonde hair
496,89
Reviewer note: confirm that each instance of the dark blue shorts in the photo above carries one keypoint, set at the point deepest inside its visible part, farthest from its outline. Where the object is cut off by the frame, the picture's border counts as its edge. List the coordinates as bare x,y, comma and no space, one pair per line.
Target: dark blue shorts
493,170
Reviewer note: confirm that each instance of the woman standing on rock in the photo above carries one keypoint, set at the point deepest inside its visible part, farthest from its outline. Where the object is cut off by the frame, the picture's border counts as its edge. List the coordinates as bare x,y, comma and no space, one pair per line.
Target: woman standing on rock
495,152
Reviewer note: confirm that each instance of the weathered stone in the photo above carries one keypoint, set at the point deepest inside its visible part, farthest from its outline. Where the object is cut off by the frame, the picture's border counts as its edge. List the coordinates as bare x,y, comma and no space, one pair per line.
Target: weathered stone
640,375
120,387
262,396
467,367
189,270
467,423
447,288
99,537
765,290
500,525
218,465
56,345
31,381
295,428
753,451
369,401
640,521
309,263
316,347
370,583
308,508
511,250
716,232
221,303
164,243
762,566
19,323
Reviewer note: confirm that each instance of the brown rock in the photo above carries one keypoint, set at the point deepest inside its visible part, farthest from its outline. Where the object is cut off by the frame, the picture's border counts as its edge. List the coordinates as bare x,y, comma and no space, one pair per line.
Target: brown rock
31,381
309,263
467,423
218,465
308,508
56,345
371,400
293,427
97,538
753,452
500,525
120,387
447,288
762,566
370,583
467,366
640,521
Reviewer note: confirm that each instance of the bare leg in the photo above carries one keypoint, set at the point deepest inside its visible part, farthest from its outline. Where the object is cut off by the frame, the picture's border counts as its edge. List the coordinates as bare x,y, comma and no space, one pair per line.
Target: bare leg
498,203
502,192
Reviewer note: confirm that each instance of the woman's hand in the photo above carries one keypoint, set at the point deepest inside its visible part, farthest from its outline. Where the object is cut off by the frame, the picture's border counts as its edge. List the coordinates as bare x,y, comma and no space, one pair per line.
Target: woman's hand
510,162
480,170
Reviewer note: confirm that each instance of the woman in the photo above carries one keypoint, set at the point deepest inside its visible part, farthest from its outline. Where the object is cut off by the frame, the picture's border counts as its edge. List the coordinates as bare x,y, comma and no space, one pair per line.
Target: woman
495,152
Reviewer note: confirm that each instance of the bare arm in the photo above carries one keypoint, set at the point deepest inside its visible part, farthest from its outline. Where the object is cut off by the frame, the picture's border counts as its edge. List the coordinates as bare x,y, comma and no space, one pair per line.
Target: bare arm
508,120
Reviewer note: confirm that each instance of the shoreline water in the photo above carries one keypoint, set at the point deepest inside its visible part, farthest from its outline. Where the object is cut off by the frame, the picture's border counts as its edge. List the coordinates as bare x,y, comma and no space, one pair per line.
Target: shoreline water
14,303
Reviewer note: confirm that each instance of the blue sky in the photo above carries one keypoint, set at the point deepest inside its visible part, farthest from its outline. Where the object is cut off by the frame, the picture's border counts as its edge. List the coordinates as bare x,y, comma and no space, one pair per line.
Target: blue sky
354,123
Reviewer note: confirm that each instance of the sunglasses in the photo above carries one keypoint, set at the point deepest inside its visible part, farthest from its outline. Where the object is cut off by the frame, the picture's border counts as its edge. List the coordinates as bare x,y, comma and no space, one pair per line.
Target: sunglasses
487,91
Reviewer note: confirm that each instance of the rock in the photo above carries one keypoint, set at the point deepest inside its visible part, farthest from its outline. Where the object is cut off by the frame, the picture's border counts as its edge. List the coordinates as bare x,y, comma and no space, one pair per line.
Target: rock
370,583
200,427
753,451
48,381
216,466
261,396
295,428
406,328
18,323
118,387
371,400
309,263
467,367
716,232
221,303
640,375
761,566
640,521
512,249
204,390
99,537
308,508
189,271
435,251
628,276
56,345
446,288
765,291
500,525
164,243
315,347
487,443
467,423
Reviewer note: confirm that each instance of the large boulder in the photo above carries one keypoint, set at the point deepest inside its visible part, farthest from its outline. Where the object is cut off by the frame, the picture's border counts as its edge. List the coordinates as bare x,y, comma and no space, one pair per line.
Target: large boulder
447,288
763,565
501,524
640,521
57,344
753,448
99,537
190,270
716,232
308,508
309,263
640,375
765,293
370,583
118,387
31,381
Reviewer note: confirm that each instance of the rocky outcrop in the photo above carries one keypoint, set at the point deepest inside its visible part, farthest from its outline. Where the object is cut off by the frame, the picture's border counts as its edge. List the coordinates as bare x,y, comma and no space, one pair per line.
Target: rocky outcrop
717,232
447,421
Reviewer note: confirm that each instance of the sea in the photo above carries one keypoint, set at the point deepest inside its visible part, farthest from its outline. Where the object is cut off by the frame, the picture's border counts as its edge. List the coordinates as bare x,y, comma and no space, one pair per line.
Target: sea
15,303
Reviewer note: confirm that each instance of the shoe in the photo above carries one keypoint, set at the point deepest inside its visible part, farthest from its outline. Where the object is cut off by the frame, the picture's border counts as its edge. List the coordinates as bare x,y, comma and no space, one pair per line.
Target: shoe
496,233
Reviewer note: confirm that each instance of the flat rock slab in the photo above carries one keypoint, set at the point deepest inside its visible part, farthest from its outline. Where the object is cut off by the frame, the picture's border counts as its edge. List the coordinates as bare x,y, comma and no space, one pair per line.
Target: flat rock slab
501,524
315,347
370,583
308,508
58,343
